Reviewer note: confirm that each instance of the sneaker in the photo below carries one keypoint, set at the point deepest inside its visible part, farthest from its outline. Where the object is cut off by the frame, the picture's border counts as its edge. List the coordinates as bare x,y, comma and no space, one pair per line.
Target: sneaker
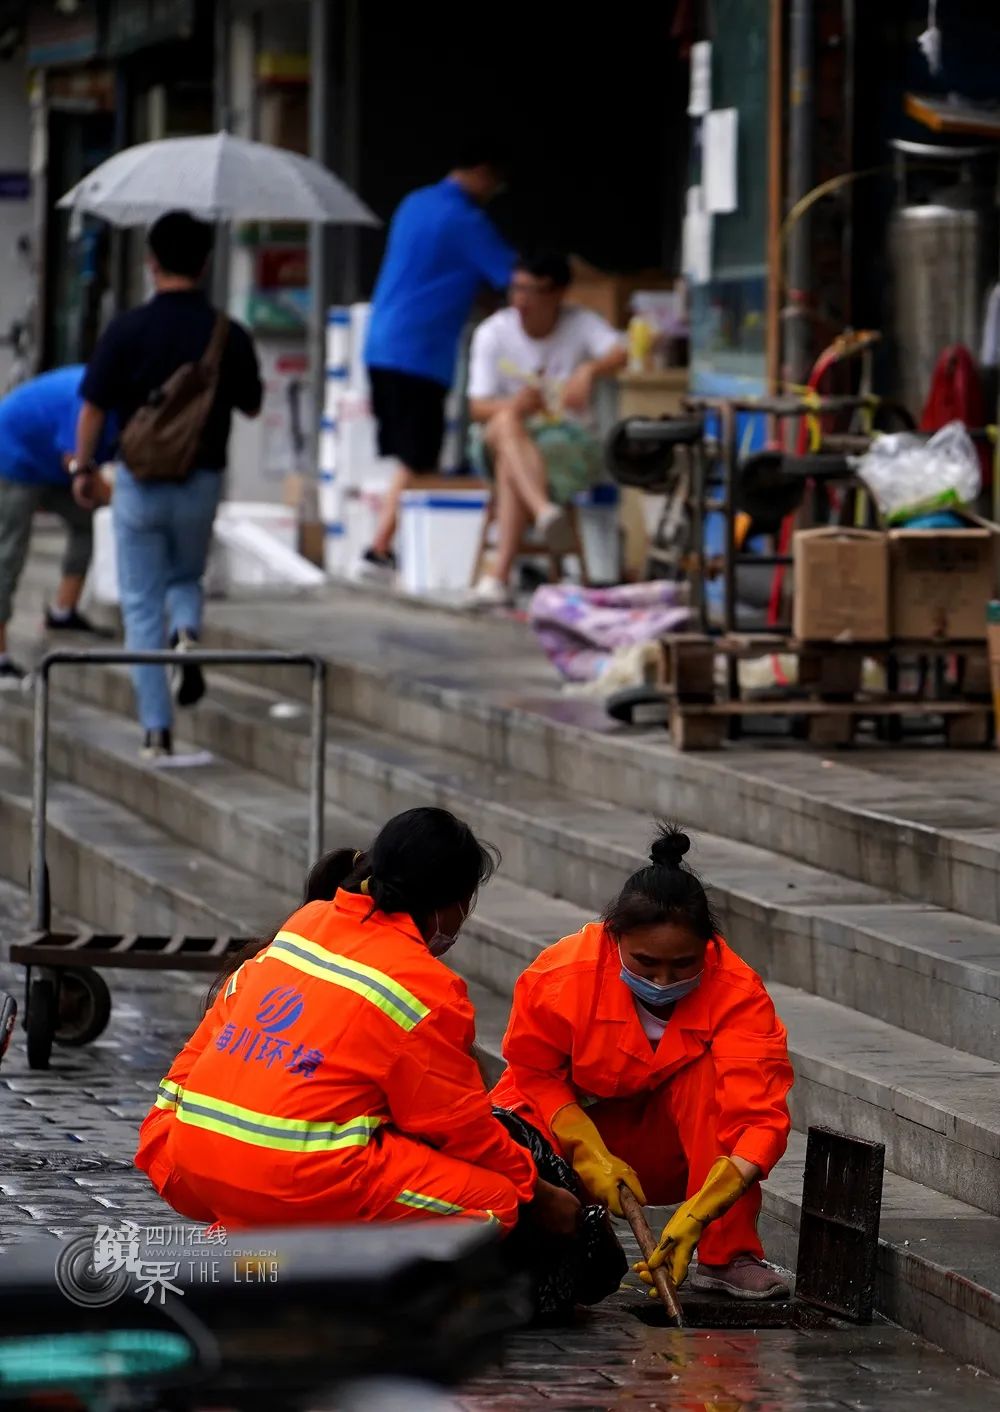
490,592
156,745
73,622
553,524
376,568
745,1277
188,681
12,677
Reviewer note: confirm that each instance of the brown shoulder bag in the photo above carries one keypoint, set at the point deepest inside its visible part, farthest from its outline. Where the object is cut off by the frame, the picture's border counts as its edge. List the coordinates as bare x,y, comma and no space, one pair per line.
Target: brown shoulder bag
160,441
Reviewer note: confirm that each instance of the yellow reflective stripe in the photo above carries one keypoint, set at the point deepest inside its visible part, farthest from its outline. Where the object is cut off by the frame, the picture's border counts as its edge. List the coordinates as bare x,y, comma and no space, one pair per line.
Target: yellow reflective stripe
374,986
420,1202
233,982
199,1110
167,1094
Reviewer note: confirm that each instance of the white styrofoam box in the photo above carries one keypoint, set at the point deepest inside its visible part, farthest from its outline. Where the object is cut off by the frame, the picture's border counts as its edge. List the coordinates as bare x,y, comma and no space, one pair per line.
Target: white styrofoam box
358,378
245,555
335,550
439,532
234,559
334,388
279,520
328,443
331,496
102,580
358,463
338,340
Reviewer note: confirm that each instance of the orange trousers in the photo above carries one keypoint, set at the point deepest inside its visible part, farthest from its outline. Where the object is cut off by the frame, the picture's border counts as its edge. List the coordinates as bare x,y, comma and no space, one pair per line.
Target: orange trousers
400,1179
668,1137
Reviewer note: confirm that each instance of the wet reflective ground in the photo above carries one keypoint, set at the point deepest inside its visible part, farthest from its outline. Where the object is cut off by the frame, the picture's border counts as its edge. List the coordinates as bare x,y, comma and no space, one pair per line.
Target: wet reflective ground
611,1360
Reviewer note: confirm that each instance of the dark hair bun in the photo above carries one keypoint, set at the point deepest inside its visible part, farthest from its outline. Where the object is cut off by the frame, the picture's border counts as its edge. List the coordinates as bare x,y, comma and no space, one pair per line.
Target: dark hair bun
670,847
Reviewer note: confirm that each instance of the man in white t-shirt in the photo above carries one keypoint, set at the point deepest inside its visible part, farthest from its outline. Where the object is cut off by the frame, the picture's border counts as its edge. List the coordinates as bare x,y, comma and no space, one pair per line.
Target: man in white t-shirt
532,372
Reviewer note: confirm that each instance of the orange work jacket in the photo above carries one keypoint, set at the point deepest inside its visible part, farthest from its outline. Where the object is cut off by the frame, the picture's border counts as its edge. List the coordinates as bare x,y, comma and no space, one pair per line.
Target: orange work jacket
574,1037
343,1030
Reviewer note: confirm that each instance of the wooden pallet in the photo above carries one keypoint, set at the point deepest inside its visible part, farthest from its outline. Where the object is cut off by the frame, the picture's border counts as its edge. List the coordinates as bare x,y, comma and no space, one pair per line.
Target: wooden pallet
828,701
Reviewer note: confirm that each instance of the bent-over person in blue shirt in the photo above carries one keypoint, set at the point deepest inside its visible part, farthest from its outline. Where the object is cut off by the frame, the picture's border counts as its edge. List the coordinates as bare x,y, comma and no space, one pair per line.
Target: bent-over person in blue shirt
441,250
37,437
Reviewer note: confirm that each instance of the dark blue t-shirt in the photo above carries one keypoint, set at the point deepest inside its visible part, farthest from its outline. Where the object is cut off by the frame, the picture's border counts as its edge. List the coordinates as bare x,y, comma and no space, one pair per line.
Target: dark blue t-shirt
38,428
441,249
140,349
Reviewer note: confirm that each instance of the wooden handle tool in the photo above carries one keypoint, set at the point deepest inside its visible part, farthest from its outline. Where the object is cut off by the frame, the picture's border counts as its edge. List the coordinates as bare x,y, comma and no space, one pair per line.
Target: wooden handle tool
665,1286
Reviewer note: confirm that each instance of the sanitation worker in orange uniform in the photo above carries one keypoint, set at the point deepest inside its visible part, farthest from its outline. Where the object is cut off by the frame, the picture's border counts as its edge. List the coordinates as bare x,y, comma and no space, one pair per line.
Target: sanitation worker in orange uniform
333,1079
650,1054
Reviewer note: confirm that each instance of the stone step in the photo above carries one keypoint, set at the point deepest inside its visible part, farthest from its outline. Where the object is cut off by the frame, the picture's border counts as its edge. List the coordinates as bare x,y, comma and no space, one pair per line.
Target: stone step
951,1302
919,823
936,1108
916,967
115,870
938,1269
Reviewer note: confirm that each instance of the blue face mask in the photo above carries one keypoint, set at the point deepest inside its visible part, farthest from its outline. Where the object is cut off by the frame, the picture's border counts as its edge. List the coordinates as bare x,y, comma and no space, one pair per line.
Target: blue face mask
653,995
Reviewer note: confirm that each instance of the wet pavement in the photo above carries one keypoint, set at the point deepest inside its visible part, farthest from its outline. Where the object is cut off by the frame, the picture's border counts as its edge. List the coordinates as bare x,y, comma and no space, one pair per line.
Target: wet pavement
65,1165
611,1360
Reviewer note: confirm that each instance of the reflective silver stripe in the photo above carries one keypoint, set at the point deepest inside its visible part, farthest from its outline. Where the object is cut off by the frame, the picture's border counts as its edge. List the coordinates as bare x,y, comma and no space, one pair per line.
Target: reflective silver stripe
200,1110
420,1202
386,994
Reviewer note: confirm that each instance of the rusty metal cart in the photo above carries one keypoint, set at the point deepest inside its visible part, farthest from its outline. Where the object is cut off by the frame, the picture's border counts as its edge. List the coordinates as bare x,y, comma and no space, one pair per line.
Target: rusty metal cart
66,1000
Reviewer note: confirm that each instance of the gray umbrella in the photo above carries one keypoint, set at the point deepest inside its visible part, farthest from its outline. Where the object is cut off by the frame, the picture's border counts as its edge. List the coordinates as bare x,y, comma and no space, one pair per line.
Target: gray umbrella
218,178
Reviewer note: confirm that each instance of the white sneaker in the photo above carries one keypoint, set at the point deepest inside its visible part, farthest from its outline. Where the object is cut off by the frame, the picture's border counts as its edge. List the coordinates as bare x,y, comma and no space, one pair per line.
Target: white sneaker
490,592
554,526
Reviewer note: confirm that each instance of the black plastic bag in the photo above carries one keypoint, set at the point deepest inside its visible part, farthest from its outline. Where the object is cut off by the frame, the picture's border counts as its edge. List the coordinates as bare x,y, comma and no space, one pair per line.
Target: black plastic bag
565,1271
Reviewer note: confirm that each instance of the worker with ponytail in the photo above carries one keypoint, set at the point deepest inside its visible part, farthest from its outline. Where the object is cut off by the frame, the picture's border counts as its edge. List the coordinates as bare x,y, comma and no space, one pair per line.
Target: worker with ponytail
650,1054
333,1077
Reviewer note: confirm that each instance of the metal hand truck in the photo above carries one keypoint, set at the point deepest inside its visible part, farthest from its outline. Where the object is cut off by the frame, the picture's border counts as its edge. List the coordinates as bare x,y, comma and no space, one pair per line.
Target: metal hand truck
65,998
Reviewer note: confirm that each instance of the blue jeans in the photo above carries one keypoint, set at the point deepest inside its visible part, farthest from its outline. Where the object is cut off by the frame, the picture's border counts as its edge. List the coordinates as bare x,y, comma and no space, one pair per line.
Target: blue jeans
162,538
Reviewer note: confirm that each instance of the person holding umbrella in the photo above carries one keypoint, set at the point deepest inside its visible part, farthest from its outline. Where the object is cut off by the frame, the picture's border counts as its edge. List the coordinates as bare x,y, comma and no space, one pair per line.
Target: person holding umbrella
163,528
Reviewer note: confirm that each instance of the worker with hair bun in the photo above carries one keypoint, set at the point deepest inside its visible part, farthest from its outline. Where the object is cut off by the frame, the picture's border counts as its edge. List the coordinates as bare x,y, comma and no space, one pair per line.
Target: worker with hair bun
650,1054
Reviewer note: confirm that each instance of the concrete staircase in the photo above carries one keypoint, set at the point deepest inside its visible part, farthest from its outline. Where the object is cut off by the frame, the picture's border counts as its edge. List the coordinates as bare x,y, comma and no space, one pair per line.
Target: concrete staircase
875,927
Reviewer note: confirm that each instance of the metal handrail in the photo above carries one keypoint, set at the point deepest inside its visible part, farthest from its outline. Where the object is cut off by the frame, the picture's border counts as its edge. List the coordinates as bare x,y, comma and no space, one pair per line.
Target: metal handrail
202,657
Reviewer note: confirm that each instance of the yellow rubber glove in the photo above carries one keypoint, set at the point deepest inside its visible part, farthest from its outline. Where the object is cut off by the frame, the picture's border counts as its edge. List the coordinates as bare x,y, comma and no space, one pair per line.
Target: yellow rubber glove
599,1171
723,1187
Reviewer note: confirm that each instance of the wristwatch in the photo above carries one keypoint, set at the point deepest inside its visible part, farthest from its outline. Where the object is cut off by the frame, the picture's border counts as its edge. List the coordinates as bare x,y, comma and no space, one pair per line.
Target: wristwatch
80,468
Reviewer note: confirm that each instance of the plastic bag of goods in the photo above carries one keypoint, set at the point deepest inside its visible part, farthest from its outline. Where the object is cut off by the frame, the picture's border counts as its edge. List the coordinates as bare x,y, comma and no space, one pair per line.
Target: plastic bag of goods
909,476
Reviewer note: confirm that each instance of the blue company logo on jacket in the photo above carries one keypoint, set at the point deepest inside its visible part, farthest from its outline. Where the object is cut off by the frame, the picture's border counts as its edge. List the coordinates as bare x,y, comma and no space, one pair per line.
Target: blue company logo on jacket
280,1007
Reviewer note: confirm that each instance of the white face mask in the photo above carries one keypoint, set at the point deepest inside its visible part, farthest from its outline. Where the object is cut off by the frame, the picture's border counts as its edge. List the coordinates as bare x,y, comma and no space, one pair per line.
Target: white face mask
441,942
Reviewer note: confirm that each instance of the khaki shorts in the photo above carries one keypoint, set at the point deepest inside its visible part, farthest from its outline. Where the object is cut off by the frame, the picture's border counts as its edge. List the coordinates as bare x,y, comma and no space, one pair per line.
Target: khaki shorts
19,500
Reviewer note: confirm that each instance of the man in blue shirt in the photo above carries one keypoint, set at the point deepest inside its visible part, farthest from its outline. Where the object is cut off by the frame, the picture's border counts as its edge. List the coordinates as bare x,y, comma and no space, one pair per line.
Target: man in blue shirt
37,437
441,249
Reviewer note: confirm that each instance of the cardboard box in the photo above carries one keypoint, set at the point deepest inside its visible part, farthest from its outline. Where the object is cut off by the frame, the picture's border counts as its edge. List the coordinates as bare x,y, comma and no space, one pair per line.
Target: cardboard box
841,585
311,535
608,294
942,580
